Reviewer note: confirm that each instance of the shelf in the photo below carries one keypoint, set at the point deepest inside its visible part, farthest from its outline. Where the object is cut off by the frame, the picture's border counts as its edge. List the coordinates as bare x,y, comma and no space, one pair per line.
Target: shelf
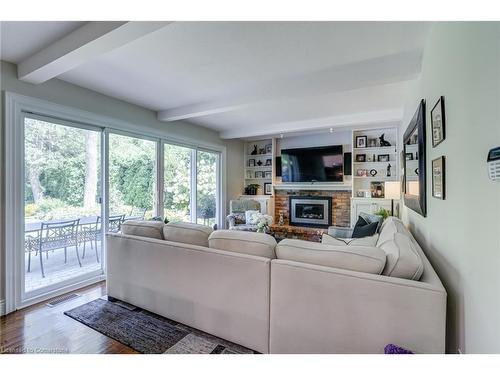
376,178
310,186
374,162
259,156
259,179
269,167
376,149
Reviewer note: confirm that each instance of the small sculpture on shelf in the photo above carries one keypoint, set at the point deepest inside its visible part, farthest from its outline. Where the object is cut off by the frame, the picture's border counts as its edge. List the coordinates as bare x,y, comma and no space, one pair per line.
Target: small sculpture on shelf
383,142
281,220
389,170
259,163
254,152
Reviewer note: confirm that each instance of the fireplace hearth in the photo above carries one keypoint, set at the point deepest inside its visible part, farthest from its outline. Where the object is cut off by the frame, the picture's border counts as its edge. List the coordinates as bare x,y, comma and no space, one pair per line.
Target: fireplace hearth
310,211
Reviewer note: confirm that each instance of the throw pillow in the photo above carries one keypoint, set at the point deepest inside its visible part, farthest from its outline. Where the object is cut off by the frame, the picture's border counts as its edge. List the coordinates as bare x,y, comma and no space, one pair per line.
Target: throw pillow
365,241
371,218
363,229
251,217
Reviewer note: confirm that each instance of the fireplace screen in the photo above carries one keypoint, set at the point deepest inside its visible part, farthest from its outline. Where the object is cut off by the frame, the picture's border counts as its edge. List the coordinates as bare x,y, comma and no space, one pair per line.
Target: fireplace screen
310,211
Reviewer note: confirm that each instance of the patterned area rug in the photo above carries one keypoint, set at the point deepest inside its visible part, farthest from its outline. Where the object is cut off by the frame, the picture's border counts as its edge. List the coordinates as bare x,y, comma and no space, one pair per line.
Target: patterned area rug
147,332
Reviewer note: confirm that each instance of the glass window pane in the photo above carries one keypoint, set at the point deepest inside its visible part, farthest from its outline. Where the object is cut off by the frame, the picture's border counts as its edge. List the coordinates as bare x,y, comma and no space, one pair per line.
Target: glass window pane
62,184
177,183
132,177
206,188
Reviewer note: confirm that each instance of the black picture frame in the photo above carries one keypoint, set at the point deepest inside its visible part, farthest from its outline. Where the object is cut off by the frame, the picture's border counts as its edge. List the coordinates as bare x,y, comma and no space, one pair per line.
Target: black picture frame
268,188
361,141
268,174
360,158
383,158
438,122
251,162
408,156
416,130
439,178
259,174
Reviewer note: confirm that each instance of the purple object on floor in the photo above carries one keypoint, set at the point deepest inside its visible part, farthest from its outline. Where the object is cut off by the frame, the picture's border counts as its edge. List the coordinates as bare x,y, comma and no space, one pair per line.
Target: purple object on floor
394,349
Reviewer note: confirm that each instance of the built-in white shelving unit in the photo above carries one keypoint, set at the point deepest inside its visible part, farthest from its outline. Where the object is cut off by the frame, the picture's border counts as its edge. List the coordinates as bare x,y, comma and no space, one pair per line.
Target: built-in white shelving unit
259,163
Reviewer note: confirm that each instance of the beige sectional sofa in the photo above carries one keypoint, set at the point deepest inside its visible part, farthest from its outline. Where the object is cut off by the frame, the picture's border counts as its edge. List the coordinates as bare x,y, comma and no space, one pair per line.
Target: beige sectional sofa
291,297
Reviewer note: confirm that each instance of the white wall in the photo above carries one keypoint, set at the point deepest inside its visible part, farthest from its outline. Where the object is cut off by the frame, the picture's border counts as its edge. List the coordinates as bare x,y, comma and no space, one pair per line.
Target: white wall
461,235
63,93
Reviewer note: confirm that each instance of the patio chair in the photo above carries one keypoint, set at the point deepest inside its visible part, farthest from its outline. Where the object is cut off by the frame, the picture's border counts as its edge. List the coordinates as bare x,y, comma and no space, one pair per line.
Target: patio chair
115,222
136,213
90,233
58,235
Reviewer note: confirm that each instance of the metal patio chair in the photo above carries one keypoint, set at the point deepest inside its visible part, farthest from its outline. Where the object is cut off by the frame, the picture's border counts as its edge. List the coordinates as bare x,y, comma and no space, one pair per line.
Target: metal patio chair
58,235
115,223
90,233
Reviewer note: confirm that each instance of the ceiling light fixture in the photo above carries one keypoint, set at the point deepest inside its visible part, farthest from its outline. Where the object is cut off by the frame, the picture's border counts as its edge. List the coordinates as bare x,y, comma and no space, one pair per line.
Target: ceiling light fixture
331,130
281,135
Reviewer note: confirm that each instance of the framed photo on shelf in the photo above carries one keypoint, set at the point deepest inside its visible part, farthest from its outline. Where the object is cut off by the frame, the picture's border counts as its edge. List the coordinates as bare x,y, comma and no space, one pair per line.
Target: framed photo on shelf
409,156
360,158
268,188
361,141
268,174
377,189
269,148
361,172
259,174
438,178
251,162
438,122
383,157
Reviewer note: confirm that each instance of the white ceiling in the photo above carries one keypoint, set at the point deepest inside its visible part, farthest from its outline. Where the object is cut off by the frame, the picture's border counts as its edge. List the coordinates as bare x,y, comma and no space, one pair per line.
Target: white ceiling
249,78
18,40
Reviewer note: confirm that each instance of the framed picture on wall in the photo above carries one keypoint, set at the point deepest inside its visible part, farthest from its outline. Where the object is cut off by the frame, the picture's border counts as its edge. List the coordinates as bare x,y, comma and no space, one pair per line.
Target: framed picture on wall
438,178
438,122
268,188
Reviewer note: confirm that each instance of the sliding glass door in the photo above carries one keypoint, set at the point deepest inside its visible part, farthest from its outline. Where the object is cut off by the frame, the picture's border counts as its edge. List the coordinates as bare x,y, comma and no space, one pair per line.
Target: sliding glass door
191,187
206,187
80,181
132,178
62,184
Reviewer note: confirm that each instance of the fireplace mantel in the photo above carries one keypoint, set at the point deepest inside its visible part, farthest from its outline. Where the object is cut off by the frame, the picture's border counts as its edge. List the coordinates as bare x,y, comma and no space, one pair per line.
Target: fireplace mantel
313,186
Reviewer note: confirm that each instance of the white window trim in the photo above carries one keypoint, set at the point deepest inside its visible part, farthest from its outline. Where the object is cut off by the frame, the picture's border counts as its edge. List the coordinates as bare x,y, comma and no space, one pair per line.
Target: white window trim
15,107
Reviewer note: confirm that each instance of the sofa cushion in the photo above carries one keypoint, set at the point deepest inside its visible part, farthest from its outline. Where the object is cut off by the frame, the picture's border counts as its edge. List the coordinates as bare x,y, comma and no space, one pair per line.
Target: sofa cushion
151,229
355,258
251,243
193,234
364,241
403,259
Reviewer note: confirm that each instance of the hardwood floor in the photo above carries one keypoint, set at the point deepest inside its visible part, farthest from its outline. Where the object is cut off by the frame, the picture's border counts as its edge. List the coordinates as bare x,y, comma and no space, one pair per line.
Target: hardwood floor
43,329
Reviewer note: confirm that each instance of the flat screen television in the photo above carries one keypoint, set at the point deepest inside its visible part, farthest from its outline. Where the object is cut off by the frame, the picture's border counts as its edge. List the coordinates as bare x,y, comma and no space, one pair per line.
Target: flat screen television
313,164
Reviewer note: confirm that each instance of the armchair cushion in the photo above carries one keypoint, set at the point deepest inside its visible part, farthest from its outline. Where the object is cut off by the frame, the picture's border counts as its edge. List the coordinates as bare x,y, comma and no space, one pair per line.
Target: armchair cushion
250,217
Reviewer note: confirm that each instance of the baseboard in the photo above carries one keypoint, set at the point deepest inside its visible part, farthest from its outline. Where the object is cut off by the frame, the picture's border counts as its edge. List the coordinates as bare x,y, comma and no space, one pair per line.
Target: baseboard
2,307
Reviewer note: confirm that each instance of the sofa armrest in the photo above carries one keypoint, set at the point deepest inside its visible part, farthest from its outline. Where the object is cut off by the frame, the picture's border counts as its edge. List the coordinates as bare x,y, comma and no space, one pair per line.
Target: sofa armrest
317,309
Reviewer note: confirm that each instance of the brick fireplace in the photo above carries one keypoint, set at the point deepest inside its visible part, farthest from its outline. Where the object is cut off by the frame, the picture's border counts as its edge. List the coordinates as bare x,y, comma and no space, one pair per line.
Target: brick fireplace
341,204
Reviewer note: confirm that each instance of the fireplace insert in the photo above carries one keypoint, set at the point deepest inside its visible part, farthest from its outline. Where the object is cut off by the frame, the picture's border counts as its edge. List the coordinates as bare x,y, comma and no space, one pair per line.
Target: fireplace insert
310,211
